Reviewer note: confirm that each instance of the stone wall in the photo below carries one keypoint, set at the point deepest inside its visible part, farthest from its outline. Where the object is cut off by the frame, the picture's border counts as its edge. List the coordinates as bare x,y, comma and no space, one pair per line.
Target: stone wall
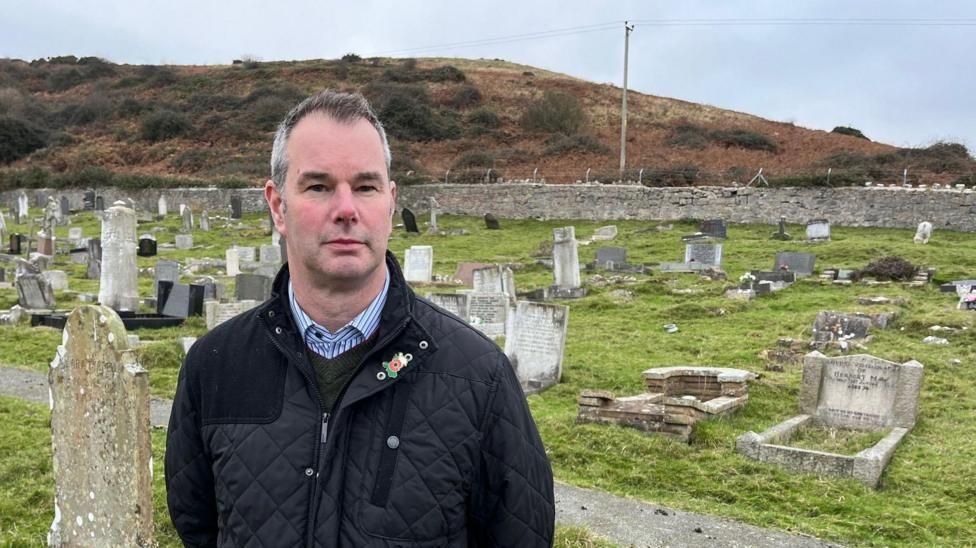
851,206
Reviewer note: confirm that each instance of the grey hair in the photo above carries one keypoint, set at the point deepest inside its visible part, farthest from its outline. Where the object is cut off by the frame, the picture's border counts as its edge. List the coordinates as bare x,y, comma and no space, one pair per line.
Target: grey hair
341,107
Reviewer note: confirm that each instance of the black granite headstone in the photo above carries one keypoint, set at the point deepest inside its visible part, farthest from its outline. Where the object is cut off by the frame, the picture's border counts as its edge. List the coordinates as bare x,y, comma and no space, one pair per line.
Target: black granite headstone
183,301
15,243
714,228
409,221
491,223
65,207
800,263
252,286
197,294
99,203
89,200
615,255
236,207
94,271
163,290
147,247
3,275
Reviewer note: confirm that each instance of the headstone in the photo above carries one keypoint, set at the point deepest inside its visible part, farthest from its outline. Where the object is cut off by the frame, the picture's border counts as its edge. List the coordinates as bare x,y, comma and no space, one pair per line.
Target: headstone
967,298
88,200
837,326
818,229
418,263
488,280
233,261
432,202
118,287
204,221
3,226
455,303
163,289
23,208
271,254
252,287
45,244
565,258
923,232
604,233
166,270
608,257
409,220
491,223
799,263
100,435
184,301
65,207
15,244
781,234
704,253
217,313
94,255
236,207
57,278
184,241
75,234
187,217
713,228
536,342
465,272
99,203
246,254
34,292
488,312
147,246
775,276
162,209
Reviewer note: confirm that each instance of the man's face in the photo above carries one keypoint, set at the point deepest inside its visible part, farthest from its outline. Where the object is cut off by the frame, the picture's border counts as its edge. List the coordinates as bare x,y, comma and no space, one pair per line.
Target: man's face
337,206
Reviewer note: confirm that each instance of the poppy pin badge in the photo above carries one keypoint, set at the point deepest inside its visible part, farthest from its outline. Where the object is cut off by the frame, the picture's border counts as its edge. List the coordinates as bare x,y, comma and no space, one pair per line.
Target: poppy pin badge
396,363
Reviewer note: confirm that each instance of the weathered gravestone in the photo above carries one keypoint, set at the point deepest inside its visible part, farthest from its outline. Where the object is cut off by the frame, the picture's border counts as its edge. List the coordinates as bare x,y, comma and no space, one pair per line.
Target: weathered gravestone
247,254
609,257
535,343
253,287
799,263
236,207
184,241
455,303
23,208
64,206
45,244
35,292
166,270
604,233
967,299
704,253
418,263
217,313
491,223
118,287
57,278
488,312
565,258
713,228
232,261
100,436
94,269
88,200
433,215
270,254
147,246
923,233
494,279
465,272
818,229
858,392
781,234
187,217
409,221
839,327
162,208
204,221
75,234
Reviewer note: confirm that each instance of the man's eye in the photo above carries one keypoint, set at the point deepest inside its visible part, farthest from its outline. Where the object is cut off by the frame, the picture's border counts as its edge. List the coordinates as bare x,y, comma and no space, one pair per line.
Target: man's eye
367,188
315,188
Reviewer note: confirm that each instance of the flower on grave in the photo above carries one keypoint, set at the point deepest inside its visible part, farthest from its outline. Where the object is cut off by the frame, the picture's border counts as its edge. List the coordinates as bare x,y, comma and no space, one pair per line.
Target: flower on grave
747,278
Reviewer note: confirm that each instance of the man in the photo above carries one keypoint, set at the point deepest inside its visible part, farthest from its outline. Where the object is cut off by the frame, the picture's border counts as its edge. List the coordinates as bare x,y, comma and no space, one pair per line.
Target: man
345,410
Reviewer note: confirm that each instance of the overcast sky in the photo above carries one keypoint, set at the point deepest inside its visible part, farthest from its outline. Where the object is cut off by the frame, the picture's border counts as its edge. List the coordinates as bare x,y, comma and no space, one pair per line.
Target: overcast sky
908,82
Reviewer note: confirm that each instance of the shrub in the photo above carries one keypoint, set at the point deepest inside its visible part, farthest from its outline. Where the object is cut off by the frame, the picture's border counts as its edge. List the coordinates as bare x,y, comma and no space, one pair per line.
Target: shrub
267,112
199,103
401,74
157,75
351,58
688,136
164,124
465,97
888,268
446,73
96,67
741,138
12,101
485,118
191,160
555,112
250,62
285,91
579,142
671,176
63,78
407,114
96,107
129,107
18,139
475,158
845,130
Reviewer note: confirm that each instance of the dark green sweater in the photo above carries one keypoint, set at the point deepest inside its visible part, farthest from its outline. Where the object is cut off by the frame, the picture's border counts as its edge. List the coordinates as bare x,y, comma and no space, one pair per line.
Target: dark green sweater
331,375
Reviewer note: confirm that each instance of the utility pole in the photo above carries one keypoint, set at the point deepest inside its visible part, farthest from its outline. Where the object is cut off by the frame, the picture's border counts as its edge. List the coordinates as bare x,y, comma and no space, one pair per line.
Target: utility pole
623,109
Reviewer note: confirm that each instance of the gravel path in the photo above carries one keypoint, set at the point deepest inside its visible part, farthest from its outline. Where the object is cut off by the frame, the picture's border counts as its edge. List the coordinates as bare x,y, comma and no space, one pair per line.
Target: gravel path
621,520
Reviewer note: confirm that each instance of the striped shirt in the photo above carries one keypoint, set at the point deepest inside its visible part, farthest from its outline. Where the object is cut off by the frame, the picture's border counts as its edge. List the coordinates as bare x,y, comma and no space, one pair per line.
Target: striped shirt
325,343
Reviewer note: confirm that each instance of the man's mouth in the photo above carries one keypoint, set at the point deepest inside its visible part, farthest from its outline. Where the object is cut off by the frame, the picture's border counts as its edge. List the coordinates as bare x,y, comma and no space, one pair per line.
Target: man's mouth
344,242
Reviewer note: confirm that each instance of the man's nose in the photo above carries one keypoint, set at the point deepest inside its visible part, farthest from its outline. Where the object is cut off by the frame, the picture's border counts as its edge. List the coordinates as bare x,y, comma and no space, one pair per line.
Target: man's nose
344,204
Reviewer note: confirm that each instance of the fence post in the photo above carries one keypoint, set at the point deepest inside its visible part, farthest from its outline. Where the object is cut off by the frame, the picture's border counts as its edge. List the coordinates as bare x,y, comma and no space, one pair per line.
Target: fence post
587,175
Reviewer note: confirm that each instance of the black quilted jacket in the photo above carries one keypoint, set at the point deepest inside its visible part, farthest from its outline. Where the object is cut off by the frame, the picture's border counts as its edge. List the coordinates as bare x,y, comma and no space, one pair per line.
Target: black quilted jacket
444,454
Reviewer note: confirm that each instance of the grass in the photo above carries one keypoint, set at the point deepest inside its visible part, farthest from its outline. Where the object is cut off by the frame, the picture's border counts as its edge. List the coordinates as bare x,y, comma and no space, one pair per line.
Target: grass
835,440
927,496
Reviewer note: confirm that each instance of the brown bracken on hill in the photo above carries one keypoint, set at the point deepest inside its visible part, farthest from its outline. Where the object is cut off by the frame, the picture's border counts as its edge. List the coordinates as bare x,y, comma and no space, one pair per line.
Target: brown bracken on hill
72,121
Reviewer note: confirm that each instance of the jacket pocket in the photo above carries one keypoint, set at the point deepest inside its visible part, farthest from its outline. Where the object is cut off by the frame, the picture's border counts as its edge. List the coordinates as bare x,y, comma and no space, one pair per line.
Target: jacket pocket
387,527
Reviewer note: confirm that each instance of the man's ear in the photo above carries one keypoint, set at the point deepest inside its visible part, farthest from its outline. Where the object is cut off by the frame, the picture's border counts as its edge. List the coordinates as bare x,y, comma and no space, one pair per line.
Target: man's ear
393,194
276,203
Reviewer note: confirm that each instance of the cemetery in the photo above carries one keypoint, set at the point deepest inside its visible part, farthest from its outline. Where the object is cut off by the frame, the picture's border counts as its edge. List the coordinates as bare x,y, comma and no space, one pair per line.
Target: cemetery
768,419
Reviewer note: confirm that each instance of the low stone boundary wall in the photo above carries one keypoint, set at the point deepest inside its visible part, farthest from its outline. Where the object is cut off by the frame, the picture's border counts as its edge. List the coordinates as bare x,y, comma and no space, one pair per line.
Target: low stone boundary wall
951,209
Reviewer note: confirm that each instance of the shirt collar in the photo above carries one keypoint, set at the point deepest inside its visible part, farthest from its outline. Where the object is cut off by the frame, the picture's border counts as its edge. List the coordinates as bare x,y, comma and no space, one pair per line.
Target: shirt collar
366,322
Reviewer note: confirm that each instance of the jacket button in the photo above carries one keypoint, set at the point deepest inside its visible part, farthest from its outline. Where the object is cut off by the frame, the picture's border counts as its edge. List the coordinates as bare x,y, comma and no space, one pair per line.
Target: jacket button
271,313
309,472
393,442
381,376
278,330
423,345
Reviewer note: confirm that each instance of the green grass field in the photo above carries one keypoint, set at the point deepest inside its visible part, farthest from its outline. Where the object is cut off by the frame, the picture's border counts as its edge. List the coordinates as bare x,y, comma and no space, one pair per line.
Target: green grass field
928,493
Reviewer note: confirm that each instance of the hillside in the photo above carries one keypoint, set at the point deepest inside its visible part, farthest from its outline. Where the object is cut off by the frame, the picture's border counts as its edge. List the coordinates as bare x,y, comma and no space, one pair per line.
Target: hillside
70,121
